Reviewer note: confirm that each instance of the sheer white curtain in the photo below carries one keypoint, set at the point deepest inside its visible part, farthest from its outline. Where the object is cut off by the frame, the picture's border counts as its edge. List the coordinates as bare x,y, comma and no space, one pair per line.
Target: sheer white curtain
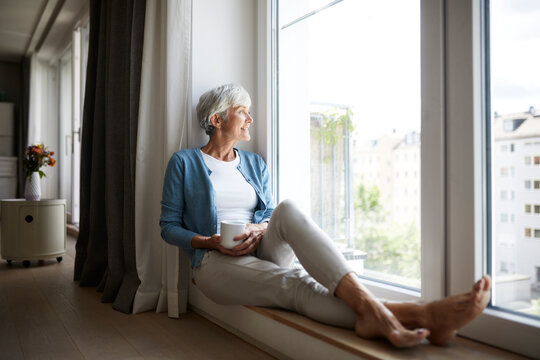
43,118
164,112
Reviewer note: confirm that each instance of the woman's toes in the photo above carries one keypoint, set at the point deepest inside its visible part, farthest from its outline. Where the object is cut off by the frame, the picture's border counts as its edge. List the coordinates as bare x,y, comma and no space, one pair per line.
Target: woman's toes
483,284
478,286
408,338
487,282
482,295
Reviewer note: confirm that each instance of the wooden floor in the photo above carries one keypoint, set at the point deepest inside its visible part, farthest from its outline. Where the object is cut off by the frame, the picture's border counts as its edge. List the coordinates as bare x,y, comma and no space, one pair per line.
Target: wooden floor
44,314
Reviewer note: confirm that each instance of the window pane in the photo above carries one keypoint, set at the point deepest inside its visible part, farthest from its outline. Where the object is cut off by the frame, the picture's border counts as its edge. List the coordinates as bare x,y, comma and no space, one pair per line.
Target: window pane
515,125
349,129
65,116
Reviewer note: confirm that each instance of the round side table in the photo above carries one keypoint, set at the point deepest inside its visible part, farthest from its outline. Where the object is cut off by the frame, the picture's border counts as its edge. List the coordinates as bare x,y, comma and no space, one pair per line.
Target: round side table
33,230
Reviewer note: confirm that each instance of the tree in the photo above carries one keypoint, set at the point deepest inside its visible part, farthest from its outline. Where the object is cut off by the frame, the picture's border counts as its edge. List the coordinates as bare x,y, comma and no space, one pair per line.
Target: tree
367,202
392,248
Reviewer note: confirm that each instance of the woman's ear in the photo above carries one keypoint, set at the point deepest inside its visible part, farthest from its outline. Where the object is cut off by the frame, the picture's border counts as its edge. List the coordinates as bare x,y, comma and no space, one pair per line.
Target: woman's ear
216,120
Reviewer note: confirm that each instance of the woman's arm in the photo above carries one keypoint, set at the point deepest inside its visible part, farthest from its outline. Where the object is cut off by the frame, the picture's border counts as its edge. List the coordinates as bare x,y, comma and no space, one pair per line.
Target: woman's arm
172,206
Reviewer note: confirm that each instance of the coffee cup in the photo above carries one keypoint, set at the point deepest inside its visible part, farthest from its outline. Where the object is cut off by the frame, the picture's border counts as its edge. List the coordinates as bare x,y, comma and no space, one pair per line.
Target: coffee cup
230,229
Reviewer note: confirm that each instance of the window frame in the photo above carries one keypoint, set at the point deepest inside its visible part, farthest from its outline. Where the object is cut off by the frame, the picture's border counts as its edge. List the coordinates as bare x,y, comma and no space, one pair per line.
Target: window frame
466,87
452,129
432,150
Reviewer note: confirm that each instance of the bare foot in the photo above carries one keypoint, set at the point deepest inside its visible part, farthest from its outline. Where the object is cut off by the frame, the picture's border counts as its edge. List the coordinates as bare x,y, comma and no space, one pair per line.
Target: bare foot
446,316
375,320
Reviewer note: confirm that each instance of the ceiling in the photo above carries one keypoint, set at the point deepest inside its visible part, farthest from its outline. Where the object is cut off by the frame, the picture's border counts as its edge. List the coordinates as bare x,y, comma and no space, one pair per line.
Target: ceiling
38,26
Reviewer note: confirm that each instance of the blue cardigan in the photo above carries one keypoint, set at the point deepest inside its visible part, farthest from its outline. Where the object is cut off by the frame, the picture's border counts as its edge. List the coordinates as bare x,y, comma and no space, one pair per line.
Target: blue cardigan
188,204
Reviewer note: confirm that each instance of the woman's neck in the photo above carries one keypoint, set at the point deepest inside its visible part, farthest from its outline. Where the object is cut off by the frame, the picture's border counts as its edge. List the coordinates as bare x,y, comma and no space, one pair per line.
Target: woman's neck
220,151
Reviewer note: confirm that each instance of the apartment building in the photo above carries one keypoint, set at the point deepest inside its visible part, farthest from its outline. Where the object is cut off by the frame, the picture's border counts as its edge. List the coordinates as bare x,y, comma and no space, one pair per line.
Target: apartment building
392,163
515,194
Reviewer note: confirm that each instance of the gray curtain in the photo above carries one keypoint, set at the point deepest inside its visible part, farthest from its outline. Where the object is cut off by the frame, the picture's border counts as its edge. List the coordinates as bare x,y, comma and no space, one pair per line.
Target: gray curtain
22,125
105,249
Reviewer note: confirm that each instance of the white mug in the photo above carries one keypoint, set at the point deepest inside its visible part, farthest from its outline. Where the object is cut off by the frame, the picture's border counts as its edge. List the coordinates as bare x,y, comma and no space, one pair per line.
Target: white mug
230,229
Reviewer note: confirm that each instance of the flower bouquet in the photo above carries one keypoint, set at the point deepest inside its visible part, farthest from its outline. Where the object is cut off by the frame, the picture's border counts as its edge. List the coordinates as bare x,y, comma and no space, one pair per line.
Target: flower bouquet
35,157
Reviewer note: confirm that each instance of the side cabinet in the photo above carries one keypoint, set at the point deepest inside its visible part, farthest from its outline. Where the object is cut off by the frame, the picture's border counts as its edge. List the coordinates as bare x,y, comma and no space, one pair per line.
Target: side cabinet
33,230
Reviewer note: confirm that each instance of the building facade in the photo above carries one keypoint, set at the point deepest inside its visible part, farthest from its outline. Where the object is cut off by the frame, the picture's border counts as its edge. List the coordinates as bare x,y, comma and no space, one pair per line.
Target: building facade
515,196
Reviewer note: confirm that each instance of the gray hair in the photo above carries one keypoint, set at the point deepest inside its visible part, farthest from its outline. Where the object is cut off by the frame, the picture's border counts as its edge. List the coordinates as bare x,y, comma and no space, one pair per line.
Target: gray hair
218,101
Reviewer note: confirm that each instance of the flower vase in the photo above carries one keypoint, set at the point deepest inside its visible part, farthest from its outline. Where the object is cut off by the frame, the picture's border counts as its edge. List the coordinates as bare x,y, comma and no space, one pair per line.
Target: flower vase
32,188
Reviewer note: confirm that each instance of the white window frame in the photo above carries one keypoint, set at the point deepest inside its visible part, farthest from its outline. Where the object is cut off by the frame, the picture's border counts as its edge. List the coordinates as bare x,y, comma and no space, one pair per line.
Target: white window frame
433,142
65,126
71,141
453,191
76,70
433,151
465,137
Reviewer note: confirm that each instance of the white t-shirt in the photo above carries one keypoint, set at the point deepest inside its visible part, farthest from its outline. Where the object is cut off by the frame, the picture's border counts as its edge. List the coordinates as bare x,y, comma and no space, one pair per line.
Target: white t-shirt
235,197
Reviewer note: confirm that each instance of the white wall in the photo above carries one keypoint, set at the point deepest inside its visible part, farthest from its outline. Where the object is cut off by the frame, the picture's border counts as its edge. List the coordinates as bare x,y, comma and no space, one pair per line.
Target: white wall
224,51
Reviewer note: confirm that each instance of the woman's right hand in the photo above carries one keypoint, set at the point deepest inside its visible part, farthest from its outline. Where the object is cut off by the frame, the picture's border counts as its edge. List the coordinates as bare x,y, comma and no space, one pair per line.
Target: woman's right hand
214,243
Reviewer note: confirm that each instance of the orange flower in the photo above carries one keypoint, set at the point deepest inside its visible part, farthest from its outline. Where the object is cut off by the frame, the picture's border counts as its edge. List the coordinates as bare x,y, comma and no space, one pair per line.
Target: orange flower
35,157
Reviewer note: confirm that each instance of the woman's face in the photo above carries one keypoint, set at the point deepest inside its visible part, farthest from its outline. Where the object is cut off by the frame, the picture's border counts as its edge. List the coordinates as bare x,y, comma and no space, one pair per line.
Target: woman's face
237,125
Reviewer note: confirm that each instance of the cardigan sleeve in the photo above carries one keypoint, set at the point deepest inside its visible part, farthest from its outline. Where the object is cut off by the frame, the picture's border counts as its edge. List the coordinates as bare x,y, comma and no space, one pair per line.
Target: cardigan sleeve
173,229
267,191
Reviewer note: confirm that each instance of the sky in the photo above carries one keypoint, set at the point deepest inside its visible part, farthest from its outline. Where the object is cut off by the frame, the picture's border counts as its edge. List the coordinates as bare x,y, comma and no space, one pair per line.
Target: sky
366,54
515,55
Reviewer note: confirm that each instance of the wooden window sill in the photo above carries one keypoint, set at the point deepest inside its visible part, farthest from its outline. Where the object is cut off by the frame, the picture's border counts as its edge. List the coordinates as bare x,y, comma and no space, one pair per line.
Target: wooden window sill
347,340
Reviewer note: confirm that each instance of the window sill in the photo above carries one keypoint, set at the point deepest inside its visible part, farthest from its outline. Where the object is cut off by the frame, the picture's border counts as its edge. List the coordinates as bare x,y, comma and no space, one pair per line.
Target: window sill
347,340
288,335
72,230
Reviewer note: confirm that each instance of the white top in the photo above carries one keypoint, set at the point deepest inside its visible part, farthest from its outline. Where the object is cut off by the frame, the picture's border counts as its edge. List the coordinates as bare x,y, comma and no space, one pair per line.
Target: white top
235,197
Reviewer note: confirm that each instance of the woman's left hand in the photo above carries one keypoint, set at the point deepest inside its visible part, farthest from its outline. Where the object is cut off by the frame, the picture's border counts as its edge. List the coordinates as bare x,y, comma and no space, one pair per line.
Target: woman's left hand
250,238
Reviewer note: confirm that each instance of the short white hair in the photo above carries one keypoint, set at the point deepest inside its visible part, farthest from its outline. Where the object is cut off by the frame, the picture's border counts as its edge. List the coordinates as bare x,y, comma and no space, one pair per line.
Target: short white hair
218,101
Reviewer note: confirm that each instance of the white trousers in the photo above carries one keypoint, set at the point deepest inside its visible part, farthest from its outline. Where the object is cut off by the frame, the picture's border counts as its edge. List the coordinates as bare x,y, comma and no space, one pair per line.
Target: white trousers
271,279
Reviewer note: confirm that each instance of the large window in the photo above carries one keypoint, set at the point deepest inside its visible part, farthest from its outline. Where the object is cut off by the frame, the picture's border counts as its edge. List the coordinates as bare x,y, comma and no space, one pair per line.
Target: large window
349,128
72,74
513,105
490,84
363,131
65,117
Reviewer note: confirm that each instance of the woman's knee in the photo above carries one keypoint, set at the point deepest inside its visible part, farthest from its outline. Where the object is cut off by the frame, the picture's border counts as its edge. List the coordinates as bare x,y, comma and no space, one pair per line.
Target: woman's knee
287,208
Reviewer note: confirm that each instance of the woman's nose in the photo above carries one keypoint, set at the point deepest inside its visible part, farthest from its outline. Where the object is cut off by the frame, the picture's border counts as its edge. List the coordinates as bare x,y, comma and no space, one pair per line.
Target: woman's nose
249,118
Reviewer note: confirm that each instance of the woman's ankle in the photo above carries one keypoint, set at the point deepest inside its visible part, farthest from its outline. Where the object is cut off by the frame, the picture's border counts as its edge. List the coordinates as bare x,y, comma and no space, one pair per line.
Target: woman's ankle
354,294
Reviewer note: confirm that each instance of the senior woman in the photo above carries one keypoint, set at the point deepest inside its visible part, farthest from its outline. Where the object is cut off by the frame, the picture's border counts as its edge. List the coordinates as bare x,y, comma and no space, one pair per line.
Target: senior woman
218,182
